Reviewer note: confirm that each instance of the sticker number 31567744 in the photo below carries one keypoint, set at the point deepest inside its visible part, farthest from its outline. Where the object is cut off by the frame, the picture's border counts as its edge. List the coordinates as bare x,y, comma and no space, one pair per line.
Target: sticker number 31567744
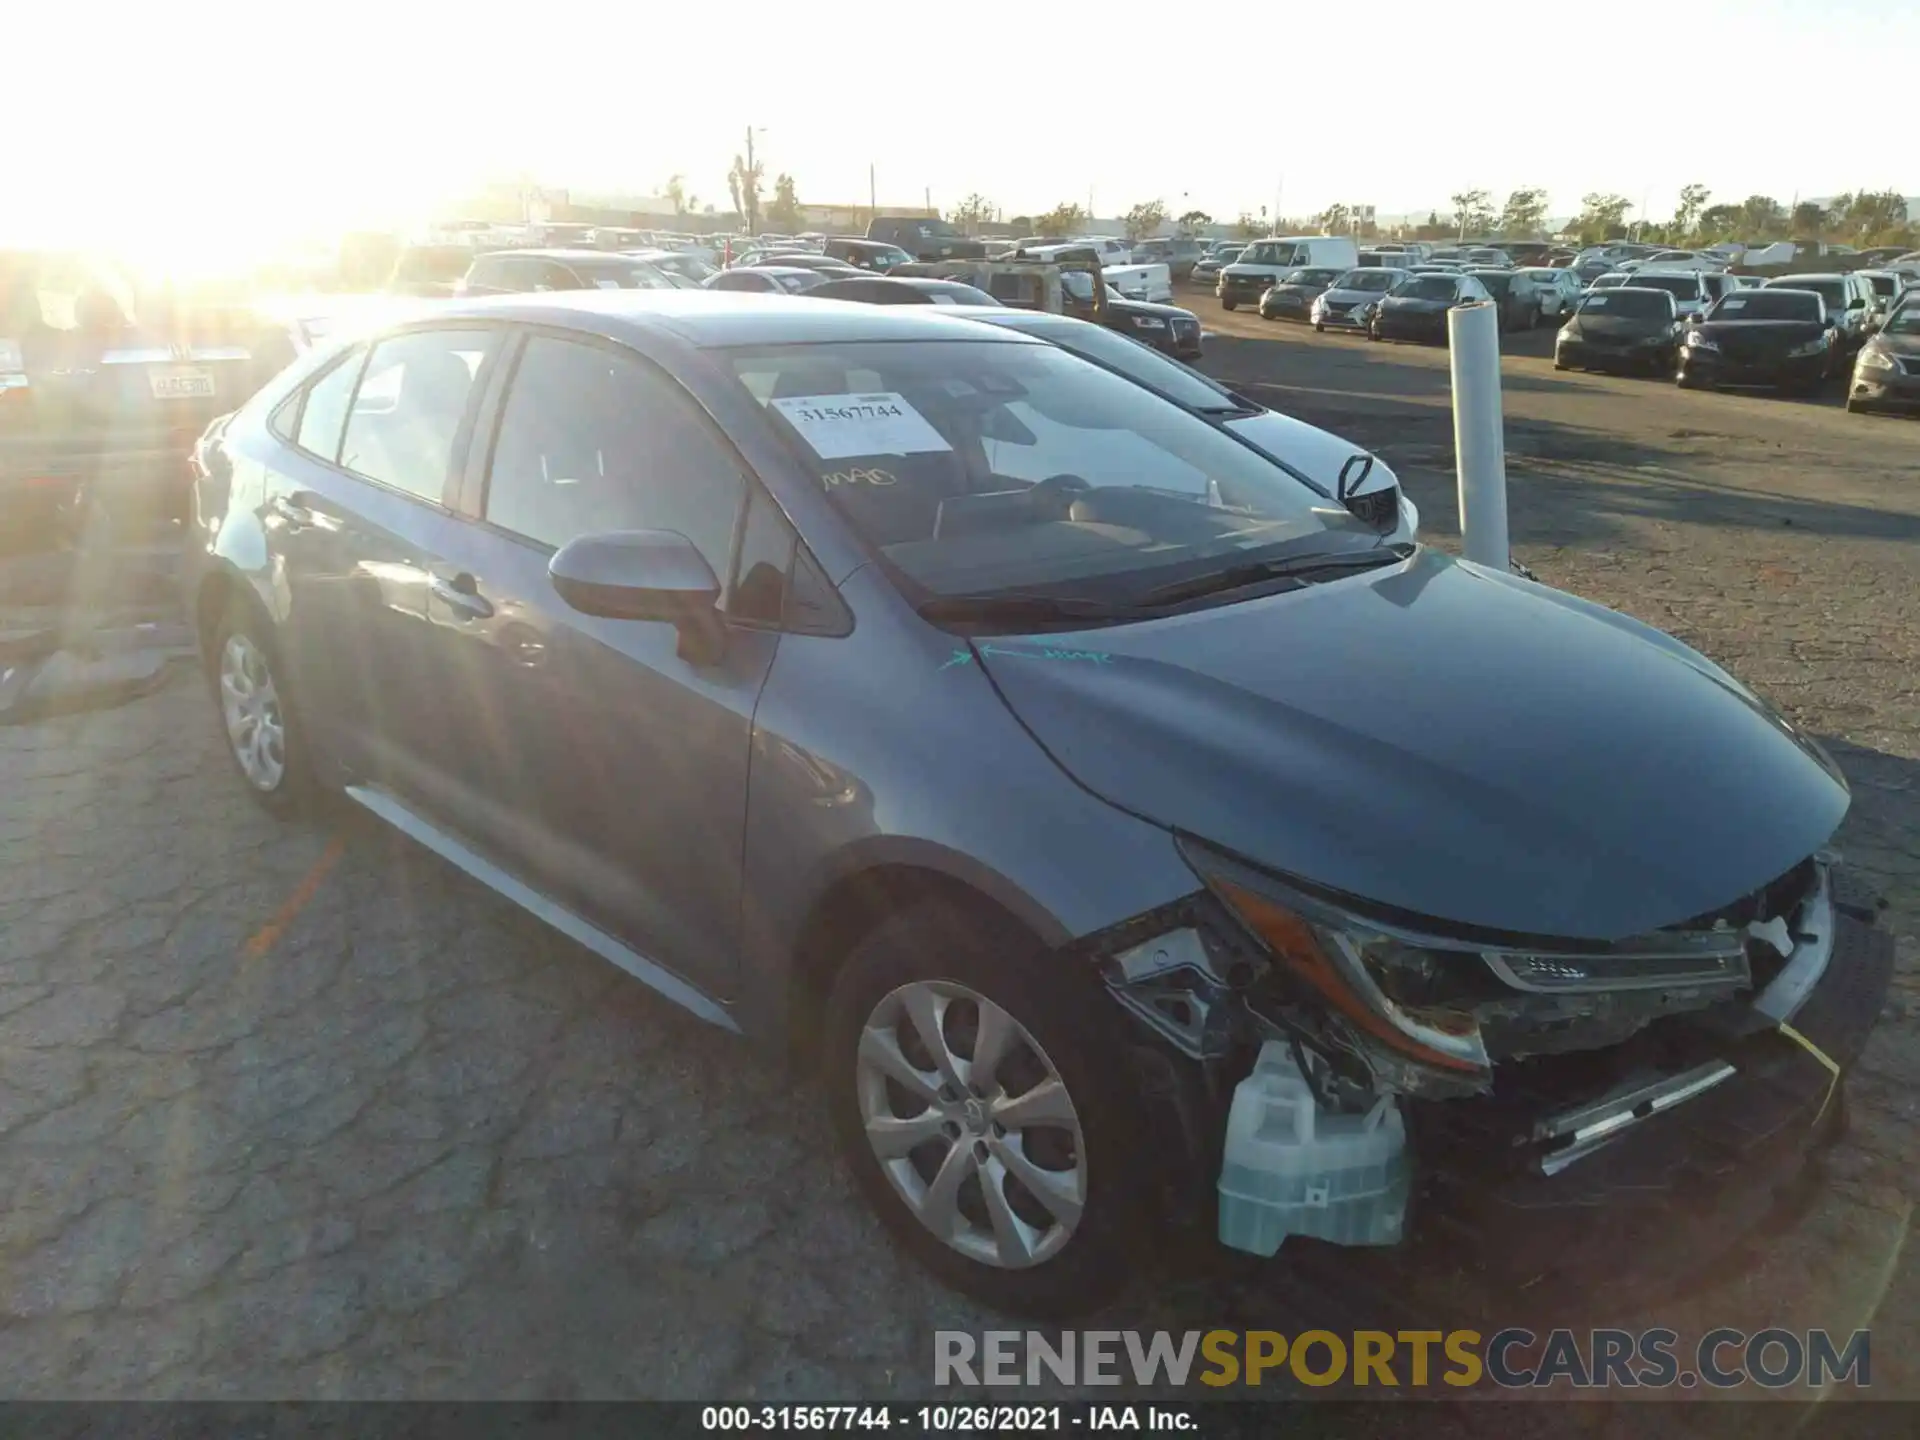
842,427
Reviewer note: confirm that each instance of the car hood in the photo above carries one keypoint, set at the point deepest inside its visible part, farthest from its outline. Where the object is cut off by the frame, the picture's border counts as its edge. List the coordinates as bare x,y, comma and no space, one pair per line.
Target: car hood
1772,332
1147,307
1620,326
1904,345
1442,739
1357,297
1413,306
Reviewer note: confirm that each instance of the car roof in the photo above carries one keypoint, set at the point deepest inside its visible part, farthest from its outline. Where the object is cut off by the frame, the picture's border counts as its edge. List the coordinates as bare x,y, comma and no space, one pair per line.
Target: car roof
551,252
1785,282
708,318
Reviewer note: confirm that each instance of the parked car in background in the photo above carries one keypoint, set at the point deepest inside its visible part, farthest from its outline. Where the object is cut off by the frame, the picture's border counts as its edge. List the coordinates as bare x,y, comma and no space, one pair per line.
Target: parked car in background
1775,336
1208,267
878,256
1691,296
766,279
1612,280
1111,250
1409,251
1416,308
1687,260
1033,723
803,260
1179,253
1527,254
900,290
1557,290
680,264
1264,261
1348,303
1518,299
1166,328
507,272
925,237
1303,450
105,386
430,272
1887,286
1485,257
1886,373
1625,328
1850,302
1291,297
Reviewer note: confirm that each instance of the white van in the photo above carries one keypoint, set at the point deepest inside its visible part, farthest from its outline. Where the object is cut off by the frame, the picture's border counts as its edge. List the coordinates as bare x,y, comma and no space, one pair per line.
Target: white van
1265,261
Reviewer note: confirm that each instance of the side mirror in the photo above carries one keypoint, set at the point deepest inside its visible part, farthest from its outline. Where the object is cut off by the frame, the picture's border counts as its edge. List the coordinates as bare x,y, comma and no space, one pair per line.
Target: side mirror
644,575
1378,507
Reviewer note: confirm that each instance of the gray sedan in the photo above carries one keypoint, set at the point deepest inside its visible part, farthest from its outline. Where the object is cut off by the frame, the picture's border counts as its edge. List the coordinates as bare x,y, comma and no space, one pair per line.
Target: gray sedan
1024,756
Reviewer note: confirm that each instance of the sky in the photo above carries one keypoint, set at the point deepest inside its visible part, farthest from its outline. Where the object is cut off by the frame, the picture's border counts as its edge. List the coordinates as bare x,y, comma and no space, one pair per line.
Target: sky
198,129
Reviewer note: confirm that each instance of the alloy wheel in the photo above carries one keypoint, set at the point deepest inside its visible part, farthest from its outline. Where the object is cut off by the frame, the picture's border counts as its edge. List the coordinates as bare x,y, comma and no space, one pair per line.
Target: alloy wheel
250,705
972,1124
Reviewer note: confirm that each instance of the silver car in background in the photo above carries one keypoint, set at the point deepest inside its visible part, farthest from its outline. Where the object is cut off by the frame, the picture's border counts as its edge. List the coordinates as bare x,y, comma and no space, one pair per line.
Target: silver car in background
1348,303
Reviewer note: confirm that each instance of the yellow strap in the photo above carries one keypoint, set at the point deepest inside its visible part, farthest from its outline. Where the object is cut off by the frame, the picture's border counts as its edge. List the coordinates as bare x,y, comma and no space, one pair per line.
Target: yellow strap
1833,1067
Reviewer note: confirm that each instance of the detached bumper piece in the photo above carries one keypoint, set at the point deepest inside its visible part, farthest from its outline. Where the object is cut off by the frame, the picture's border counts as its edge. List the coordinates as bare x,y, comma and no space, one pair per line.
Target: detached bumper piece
1657,1155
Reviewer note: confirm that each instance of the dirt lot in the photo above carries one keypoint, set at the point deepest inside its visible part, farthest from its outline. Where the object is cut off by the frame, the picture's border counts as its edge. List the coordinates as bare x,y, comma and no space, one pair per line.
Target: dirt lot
300,1111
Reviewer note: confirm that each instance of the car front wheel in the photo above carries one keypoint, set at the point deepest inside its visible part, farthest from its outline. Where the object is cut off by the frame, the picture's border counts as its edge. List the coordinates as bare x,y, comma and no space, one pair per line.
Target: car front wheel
1229,304
981,1105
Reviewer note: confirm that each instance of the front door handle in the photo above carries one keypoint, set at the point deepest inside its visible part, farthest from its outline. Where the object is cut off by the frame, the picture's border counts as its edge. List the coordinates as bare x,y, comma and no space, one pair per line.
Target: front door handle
297,517
461,594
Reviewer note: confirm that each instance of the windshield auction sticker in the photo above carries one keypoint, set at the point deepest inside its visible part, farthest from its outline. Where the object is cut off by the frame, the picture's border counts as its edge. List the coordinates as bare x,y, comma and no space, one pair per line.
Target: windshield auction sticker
839,427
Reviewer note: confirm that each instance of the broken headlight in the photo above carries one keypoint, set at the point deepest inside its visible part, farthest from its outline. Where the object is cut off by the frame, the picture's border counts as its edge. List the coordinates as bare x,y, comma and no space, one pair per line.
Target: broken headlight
1386,987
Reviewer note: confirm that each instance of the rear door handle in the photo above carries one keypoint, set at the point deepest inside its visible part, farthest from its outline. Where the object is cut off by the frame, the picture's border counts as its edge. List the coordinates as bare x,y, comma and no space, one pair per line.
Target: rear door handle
461,594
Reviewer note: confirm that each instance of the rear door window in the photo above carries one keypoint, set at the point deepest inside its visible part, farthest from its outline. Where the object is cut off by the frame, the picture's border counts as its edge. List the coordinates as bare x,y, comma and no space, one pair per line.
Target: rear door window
323,415
410,408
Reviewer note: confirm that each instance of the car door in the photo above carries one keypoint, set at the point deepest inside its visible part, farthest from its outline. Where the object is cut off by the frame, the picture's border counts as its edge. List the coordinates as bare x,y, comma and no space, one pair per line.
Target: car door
355,518
600,765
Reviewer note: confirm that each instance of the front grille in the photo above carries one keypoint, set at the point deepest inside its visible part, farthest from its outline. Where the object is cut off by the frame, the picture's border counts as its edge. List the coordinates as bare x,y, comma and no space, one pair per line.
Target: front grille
1783,895
1910,364
1340,307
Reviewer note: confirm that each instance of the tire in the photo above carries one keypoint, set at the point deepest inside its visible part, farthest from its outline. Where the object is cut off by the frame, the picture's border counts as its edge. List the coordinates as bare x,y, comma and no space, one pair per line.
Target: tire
1319,329
930,970
1854,407
1229,304
1559,365
1686,381
264,738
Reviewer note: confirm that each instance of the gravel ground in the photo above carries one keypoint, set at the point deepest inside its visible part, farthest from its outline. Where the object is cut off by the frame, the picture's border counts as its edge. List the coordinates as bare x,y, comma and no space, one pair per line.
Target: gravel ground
298,1111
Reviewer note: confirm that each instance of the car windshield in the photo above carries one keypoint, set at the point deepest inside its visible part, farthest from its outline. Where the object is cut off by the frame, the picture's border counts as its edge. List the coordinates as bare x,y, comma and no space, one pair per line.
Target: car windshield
1226,257
1884,284
935,451
1428,287
1632,304
1769,305
1271,252
1904,321
794,281
1681,287
952,292
1310,277
1498,282
1610,282
1374,281
1834,292
626,277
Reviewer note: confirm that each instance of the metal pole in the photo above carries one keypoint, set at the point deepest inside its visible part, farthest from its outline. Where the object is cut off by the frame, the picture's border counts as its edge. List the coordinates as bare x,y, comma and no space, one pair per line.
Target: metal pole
1479,439
873,205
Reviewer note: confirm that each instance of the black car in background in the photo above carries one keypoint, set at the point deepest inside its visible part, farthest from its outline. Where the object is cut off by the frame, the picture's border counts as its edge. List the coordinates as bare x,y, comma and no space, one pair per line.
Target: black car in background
520,272
900,290
1291,297
925,237
1207,268
1850,302
1516,295
1624,329
1416,308
1771,336
767,279
1166,328
1179,253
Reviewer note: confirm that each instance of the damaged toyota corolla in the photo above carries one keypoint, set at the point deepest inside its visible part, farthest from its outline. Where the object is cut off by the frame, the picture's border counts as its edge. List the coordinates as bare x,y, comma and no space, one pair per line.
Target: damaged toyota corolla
1131,835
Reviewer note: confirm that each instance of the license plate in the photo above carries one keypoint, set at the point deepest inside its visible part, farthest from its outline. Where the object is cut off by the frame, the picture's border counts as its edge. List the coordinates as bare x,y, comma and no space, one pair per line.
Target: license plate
181,382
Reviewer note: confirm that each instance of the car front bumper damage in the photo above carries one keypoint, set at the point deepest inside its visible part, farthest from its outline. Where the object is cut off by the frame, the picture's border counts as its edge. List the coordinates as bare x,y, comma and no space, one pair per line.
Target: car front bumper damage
1606,1126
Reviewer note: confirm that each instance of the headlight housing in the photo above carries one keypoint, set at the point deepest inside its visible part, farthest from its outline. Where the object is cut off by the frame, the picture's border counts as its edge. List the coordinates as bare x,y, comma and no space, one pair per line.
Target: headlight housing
1149,322
1875,359
1697,341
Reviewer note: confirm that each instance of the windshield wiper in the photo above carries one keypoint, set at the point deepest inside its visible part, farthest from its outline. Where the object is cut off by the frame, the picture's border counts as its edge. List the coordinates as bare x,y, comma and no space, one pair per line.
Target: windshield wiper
1303,568
1022,605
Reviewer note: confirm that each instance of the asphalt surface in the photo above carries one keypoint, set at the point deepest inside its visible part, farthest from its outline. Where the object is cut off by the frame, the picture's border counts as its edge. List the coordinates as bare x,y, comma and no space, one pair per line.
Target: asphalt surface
297,1111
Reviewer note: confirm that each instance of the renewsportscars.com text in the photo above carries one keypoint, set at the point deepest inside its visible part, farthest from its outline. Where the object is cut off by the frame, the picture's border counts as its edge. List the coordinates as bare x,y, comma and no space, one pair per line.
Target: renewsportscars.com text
1512,1358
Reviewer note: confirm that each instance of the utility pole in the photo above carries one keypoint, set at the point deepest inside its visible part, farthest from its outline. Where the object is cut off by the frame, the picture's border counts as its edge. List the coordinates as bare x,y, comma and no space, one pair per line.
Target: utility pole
749,201
873,205
927,195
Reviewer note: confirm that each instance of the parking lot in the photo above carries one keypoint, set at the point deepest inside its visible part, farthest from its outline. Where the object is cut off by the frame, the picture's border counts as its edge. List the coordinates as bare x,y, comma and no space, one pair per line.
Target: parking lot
301,1111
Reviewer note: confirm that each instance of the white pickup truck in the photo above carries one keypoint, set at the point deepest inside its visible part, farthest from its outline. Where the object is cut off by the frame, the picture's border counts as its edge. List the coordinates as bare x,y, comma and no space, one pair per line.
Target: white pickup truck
1152,283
